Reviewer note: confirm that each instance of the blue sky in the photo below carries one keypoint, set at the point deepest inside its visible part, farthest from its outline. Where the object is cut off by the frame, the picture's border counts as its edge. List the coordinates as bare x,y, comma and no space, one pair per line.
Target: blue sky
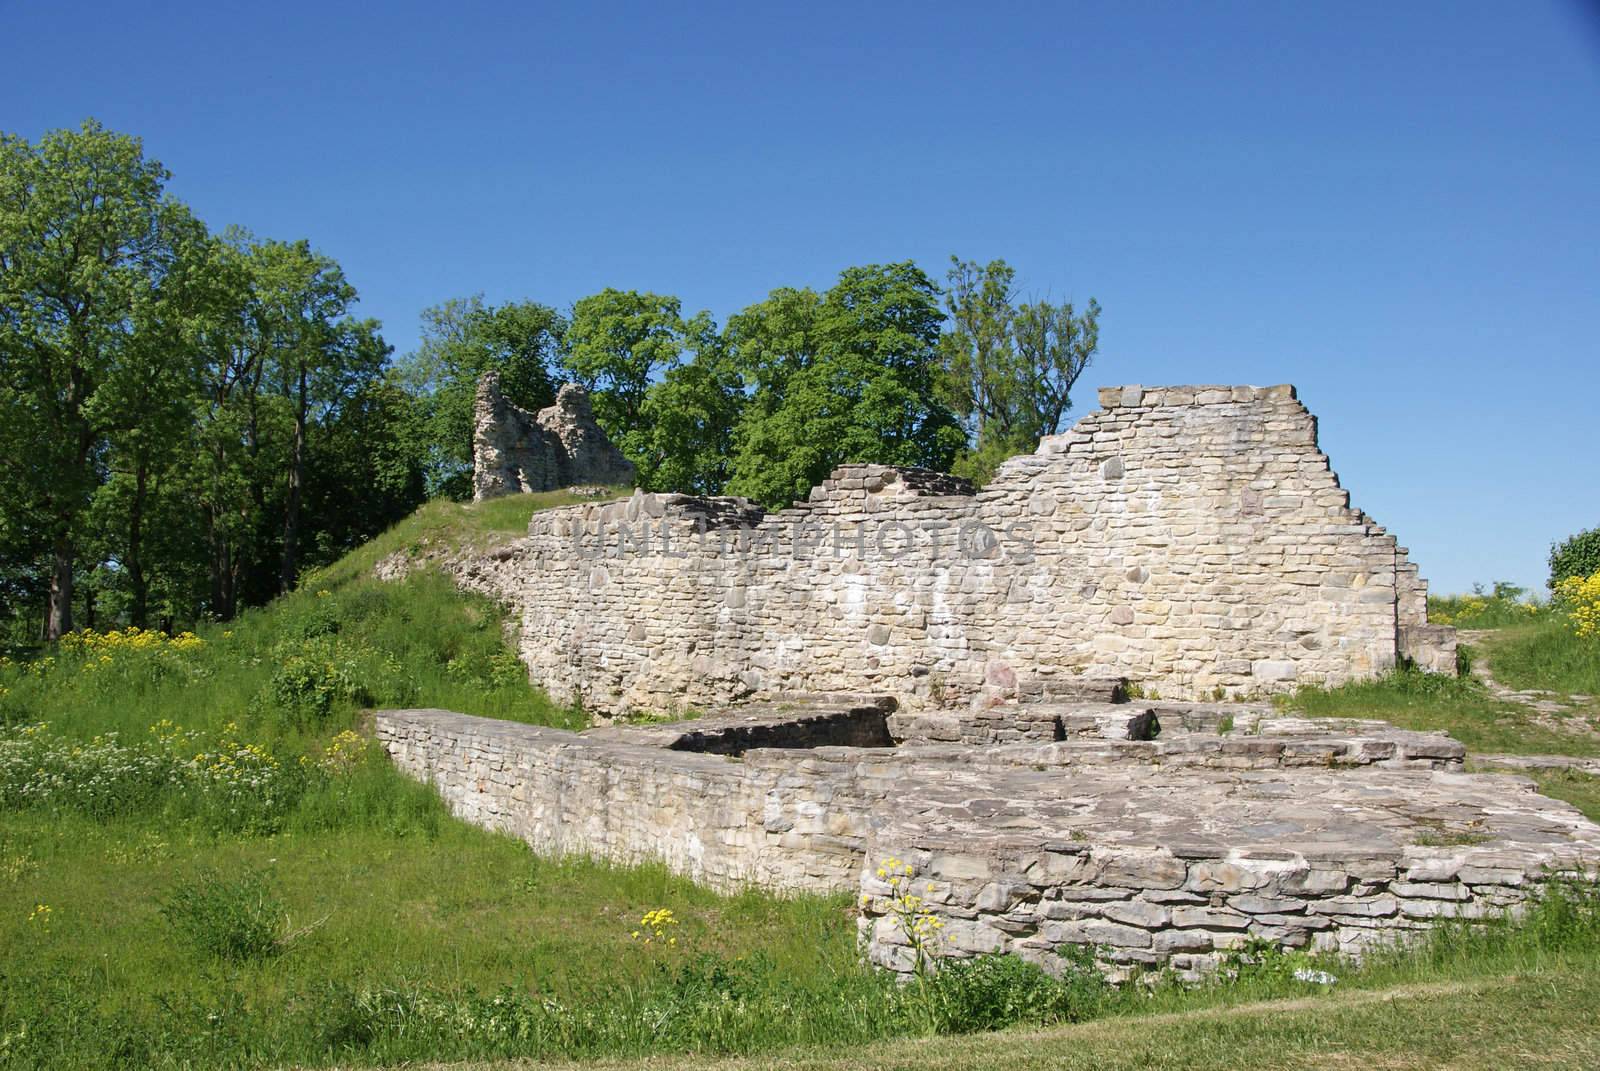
1394,206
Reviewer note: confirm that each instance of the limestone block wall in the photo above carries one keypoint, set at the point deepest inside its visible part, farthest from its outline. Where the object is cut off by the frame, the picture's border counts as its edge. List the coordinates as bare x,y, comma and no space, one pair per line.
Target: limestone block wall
727,824
1191,539
514,450
1150,851
1187,905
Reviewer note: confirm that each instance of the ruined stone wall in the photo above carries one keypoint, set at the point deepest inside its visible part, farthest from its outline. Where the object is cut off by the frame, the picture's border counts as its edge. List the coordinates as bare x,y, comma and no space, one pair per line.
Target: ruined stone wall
1334,834
1193,540
514,451
1185,905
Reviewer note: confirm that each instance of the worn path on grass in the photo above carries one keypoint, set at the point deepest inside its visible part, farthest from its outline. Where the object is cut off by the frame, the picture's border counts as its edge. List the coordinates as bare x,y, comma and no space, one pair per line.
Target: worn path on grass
1545,708
1550,708
1549,1019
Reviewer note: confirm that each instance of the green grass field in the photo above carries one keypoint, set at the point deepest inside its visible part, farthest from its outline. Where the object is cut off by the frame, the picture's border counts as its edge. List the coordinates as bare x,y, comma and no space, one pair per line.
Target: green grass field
1490,1022
202,864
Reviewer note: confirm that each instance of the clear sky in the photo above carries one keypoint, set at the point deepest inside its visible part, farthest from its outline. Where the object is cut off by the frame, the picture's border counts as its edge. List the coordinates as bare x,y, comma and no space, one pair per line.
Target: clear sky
1395,206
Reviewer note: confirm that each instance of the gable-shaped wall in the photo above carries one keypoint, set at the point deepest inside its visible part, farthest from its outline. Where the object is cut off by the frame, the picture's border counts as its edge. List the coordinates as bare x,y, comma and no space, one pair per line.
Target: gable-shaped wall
1191,539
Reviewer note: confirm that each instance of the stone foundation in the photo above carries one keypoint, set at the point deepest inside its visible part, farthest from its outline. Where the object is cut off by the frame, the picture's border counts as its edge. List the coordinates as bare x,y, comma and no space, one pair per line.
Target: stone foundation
1173,850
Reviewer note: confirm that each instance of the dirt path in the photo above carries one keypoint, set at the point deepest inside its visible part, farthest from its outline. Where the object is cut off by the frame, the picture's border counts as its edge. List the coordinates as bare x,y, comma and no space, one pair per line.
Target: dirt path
1550,710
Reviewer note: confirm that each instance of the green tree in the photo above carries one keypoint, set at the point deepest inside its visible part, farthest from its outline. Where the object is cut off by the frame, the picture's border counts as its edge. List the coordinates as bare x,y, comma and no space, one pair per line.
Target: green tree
316,357
365,469
852,376
461,340
685,439
1009,366
237,434
619,342
1577,555
89,250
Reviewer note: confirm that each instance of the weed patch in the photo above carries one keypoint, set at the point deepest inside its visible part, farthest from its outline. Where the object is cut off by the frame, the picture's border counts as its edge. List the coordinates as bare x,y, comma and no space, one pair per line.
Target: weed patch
235,918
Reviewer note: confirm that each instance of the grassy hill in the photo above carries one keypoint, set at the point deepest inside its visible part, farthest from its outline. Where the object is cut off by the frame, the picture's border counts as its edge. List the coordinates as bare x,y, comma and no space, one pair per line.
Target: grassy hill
203,863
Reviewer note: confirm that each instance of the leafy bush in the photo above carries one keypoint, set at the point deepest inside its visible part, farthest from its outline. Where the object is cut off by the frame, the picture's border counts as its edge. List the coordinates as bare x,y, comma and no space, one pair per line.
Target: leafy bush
500,669
990,992
235,919
311,677
1578,555
1504,604
315,620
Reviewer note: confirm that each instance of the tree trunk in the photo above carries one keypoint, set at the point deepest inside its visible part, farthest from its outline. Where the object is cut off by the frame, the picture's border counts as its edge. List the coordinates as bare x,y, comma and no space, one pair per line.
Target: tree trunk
224,574
291,513
215,540
138,583
230,583
58,619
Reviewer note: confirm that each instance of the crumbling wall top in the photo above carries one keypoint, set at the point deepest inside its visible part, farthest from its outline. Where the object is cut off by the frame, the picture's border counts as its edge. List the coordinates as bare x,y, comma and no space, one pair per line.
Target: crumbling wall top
1134,396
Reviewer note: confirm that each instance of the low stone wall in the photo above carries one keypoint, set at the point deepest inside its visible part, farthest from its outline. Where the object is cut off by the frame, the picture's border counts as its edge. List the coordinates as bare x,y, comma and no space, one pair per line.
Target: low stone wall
724,823
1167,851
1186,903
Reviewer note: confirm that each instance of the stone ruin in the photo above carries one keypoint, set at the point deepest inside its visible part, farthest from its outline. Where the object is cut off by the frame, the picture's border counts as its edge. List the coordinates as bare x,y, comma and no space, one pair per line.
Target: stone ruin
1192,540
904,667
514,451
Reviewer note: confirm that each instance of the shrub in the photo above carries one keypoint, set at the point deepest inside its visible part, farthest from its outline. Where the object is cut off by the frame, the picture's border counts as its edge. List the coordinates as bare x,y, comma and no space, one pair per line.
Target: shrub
235,919
318,619
311,677
1578,555
1580,601
990,992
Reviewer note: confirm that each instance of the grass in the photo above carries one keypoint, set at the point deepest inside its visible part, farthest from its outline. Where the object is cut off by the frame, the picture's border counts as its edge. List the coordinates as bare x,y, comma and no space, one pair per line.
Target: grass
418,642
437,911
453,945
1546,654
1461,706
445,525
1523,1020
1530,644
1503,605
1574,786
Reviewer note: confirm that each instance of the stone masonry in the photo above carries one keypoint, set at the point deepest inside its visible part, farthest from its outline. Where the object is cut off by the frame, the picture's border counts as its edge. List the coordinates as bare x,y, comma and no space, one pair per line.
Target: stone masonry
1191,540
905,667
1155,833
514,451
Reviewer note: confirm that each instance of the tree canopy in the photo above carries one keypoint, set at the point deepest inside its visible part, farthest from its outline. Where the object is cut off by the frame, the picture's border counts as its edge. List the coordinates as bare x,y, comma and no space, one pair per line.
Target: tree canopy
189,419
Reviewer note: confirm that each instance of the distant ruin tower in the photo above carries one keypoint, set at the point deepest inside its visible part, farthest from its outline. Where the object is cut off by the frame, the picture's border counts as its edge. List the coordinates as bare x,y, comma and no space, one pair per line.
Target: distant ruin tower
514,451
